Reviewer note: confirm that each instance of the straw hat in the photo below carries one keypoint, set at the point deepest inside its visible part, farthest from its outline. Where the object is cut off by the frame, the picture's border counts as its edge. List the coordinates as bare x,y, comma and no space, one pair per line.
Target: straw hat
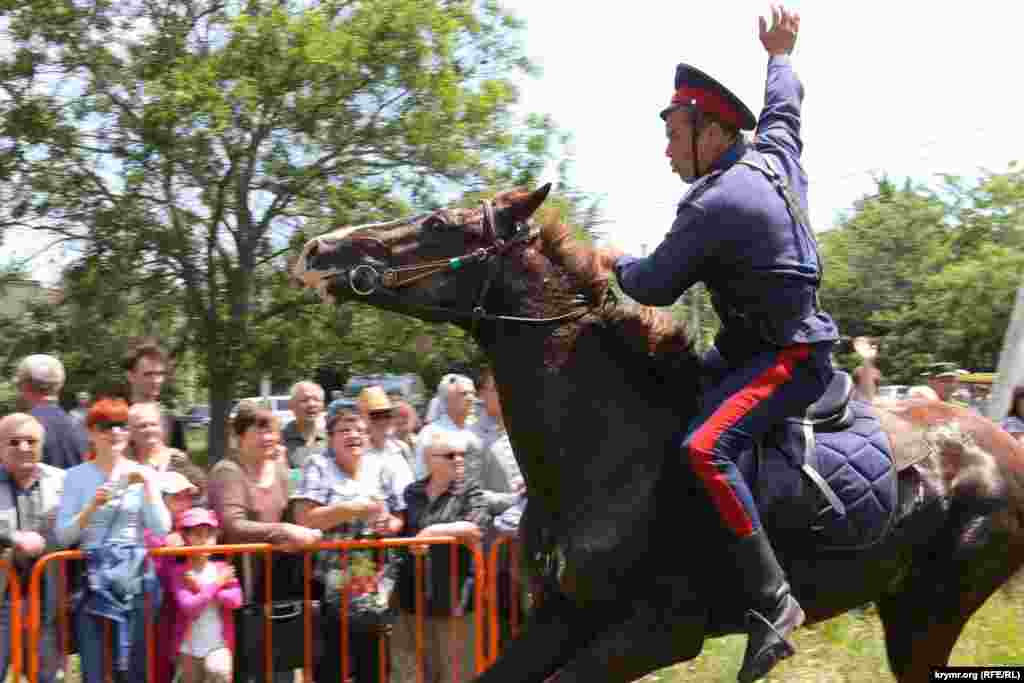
374,399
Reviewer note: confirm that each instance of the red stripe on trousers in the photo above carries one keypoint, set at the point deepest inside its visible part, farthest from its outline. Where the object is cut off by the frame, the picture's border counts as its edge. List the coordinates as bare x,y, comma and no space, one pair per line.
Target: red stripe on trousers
734,409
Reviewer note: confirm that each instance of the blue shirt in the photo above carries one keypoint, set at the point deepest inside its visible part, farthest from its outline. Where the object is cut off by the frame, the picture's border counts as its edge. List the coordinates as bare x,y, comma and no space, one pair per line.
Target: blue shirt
126,513
65,441
734,232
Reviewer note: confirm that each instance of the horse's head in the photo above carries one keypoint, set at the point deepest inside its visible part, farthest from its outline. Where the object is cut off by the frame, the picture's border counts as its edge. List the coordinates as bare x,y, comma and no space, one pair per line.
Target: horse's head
453,265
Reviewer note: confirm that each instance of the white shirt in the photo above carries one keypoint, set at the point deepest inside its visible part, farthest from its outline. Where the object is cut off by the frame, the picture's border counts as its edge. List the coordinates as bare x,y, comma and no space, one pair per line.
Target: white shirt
207,632
393,462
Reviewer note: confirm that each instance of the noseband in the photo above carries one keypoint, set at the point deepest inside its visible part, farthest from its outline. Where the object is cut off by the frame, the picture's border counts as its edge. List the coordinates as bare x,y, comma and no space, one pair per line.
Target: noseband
365,279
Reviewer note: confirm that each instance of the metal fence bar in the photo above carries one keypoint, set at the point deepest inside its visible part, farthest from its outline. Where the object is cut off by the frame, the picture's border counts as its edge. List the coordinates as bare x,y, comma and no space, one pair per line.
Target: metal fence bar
14,625
35,598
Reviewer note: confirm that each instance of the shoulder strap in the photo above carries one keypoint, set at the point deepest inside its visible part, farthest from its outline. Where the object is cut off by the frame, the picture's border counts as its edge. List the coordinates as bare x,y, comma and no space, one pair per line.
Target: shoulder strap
796,211
781,186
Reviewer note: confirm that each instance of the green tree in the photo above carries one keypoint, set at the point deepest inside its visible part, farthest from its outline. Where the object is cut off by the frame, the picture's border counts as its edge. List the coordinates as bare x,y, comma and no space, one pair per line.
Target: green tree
186,140
933,273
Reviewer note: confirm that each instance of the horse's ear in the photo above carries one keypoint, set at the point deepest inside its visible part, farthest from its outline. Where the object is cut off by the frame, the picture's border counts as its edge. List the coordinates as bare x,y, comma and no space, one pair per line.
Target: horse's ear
521,210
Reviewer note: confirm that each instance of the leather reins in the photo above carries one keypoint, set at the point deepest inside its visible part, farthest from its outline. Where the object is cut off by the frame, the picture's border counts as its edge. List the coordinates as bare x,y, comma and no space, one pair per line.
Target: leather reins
365,280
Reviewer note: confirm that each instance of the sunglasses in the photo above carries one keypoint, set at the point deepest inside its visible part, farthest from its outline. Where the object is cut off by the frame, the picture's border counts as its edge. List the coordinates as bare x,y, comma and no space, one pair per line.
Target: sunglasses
450,455
381,415
108,425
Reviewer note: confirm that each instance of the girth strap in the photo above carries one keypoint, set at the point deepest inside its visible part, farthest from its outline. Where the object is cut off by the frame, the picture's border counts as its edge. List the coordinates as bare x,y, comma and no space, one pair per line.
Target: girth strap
810,468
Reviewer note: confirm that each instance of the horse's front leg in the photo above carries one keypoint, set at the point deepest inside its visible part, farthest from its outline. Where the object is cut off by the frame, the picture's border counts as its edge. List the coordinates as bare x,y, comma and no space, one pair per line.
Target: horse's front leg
655,636
551,635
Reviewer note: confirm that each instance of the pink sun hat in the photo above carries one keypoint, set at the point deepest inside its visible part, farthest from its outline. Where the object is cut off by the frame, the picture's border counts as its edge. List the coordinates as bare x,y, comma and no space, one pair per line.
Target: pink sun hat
194,517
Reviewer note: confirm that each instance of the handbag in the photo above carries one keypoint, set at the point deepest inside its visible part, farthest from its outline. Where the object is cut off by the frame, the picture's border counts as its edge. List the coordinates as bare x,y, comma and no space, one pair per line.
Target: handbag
287,616
287,623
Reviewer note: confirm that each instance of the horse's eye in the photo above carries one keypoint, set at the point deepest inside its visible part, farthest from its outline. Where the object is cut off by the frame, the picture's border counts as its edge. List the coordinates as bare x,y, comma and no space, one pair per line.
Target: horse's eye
434,223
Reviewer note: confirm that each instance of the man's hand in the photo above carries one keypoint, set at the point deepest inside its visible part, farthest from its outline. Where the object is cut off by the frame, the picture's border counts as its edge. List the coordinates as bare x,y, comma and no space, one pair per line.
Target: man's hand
608,255
174,540
29,543
226,575
781,37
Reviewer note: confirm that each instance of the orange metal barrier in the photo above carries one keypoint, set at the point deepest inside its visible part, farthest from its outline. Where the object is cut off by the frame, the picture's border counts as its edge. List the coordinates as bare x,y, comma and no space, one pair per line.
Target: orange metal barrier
14,626
35,602
494,626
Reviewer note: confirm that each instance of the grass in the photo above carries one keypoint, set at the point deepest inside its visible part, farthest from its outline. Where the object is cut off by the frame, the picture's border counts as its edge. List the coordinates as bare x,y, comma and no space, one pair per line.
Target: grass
850,648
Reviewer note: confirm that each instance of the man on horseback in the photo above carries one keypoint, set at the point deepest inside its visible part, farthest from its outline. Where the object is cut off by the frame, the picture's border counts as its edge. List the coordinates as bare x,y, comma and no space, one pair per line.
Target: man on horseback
742,230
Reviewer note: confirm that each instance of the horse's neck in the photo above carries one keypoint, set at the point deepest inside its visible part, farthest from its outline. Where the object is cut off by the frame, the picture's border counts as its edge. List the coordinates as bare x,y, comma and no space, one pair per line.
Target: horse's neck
581,422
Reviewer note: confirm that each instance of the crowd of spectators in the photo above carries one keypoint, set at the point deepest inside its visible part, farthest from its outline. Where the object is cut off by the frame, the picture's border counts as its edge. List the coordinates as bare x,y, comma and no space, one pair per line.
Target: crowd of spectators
113,478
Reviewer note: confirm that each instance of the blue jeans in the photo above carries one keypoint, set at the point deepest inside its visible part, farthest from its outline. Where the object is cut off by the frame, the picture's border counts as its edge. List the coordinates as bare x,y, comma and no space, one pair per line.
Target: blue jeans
95,658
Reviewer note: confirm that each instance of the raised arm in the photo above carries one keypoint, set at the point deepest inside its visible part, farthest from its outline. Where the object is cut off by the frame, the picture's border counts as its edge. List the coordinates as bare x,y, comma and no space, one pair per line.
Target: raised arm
779,124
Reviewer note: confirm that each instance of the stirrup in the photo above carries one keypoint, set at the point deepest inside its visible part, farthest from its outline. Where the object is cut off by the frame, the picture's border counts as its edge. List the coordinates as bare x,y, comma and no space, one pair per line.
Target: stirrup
771,645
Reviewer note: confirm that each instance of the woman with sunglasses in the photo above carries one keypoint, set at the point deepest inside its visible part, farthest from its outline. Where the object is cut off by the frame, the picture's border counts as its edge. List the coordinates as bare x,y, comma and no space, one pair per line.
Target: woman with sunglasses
444,503
348,494
109,503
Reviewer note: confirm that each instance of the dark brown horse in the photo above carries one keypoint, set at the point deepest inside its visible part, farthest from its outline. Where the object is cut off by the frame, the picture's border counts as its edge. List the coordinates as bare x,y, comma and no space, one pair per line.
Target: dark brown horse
595,393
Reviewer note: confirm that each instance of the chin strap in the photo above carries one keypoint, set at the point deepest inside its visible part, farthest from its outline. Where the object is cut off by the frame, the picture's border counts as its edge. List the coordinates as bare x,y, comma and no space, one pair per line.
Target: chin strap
695,120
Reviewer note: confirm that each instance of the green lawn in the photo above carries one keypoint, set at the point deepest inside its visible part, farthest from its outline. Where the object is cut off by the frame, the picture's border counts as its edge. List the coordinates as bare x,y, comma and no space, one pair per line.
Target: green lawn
851,648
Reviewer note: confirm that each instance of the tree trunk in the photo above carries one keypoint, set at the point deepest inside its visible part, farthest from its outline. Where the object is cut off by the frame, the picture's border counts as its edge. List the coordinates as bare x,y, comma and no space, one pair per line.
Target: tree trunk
221,394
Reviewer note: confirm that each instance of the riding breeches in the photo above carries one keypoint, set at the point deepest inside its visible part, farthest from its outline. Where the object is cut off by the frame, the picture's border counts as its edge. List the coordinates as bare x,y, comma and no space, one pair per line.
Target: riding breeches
743,404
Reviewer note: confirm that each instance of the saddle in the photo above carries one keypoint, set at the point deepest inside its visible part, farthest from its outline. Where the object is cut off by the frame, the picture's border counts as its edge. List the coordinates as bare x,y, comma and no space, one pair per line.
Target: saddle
829,472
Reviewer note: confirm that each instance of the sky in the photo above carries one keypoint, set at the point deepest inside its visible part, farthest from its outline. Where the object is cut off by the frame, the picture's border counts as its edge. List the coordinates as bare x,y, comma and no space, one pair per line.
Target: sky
910,88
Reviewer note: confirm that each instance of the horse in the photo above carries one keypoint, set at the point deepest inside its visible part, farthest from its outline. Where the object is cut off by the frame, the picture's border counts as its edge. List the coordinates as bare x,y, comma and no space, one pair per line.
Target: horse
596,392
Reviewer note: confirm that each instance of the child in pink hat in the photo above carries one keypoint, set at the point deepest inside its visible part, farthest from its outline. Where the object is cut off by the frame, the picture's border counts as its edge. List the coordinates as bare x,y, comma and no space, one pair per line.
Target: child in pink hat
179,496
206,594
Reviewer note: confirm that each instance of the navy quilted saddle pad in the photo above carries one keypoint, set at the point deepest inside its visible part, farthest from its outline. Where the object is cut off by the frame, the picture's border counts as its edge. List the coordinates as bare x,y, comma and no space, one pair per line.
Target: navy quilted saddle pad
857,466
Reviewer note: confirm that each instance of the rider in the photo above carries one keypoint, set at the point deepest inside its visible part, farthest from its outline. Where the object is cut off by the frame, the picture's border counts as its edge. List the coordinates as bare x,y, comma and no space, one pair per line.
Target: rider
742,230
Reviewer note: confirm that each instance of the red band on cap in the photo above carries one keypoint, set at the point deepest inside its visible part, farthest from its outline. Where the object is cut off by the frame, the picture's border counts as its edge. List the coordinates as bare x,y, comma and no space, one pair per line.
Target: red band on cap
710,102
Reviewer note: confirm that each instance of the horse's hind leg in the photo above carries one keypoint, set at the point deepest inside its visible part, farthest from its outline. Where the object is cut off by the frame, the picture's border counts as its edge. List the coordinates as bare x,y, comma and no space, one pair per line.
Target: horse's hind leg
923,622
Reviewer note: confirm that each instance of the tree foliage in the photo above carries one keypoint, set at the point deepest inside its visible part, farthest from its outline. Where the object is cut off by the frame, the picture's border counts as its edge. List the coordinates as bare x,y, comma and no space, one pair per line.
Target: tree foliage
179,144
934,273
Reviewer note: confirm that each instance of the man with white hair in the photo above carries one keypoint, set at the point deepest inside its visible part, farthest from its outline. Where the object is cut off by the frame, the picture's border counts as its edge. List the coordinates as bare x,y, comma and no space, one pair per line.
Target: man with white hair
305,434
30,493
456,396
39,379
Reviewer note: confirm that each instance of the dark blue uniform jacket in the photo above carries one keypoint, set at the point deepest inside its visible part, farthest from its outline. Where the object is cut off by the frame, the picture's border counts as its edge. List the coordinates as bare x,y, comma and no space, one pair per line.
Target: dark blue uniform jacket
734,232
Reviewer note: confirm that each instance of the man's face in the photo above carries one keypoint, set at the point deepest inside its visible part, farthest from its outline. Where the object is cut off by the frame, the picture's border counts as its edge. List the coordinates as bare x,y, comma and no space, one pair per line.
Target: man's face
147,379
307,404
22,450
679,150
460,399
943,386
146,429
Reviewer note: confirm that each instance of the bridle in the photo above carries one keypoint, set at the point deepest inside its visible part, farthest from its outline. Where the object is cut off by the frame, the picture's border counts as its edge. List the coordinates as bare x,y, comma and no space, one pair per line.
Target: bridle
365,280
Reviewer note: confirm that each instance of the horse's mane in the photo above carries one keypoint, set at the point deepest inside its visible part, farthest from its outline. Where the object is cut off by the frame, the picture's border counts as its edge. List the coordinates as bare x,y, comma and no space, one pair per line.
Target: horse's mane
648,331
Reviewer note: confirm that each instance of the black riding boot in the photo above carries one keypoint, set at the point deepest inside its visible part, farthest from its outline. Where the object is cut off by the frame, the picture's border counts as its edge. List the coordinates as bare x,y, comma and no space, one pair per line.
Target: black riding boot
774,613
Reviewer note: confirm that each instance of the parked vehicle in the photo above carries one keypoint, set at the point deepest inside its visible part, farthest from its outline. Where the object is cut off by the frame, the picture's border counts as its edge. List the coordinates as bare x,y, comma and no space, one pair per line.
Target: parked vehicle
404,387
893,392
197,417
277,404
